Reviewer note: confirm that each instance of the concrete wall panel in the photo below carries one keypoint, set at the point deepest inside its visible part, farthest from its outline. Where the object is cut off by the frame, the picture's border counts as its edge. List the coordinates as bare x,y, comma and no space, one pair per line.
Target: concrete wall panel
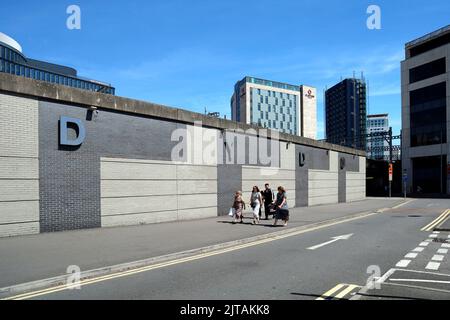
128,199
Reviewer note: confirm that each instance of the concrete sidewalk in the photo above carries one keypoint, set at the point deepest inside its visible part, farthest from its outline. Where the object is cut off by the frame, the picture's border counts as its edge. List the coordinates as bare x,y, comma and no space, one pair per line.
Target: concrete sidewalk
35,257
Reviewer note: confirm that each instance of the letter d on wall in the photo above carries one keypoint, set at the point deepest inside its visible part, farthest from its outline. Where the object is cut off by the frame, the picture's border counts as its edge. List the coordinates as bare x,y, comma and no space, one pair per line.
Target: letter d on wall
64,124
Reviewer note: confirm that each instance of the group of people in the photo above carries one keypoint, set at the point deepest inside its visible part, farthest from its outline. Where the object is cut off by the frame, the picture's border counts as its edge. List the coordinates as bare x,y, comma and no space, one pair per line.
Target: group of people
273,205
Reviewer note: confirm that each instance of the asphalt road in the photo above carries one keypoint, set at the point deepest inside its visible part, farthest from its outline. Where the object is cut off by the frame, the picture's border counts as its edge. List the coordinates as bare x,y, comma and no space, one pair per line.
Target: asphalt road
310,265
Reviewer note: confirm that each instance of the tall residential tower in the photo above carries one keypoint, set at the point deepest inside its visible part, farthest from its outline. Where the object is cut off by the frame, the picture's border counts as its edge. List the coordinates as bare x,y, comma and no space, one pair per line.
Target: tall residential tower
345,113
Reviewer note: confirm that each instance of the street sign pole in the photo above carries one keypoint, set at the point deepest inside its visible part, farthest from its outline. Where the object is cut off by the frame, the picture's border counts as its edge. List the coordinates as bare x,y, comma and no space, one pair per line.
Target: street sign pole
390,179
390,162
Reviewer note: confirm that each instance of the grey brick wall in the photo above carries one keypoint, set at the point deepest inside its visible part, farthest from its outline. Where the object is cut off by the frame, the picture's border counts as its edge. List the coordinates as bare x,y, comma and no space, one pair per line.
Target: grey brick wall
314,159
70,177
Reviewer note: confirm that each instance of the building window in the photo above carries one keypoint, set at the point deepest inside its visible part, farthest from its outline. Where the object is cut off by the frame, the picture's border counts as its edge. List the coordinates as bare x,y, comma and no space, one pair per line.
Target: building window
428,115
427,70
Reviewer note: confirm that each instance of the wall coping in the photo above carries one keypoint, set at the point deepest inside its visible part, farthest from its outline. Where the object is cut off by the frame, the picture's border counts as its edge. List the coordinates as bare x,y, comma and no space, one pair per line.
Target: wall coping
64,94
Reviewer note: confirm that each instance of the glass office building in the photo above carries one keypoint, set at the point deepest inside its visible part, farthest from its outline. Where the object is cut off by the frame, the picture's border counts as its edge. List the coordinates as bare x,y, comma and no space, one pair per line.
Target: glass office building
13,61
345,113
275,105
426,113
377,147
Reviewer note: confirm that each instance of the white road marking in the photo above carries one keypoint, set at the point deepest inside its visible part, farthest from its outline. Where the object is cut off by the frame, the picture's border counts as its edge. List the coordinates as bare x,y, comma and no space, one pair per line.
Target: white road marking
428,240
433,236
424,272
438,257
402,204
445,245
424,244
403,263
418,249
411,255
420,280
386,275
433,266
442,251
436,232
334,239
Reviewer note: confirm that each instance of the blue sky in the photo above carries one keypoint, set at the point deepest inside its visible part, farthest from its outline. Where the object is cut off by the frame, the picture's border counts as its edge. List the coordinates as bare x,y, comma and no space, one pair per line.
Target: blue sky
189,54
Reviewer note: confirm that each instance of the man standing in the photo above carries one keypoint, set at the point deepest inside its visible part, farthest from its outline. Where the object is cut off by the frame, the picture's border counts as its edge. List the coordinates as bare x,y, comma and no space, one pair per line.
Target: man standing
268,197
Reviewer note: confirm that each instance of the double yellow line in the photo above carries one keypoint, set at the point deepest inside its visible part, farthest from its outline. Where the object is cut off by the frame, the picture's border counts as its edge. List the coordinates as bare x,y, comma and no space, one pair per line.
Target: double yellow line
437,221
337,292
121,274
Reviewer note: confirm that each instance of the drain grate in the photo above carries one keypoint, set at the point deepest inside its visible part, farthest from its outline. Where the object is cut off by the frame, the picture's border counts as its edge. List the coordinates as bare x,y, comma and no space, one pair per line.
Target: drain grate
440,240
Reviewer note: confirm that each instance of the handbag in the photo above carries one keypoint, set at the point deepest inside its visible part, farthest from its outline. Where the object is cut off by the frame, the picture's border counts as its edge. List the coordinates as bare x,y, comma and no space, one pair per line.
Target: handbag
232,212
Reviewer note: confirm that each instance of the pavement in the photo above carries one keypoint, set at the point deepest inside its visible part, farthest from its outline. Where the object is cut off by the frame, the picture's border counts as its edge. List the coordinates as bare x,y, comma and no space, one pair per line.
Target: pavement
35,257
395,250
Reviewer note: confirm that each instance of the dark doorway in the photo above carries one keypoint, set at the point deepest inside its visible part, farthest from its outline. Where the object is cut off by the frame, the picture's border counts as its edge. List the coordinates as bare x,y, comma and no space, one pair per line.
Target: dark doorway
430,174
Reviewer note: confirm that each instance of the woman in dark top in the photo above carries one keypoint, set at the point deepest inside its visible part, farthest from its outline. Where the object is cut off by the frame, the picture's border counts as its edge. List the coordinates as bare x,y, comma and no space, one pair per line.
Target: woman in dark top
282,207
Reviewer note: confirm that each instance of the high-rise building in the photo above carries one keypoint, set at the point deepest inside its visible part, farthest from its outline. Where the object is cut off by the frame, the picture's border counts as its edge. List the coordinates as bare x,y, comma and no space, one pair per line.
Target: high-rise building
377,147
345,113
13,61
425,113
275,105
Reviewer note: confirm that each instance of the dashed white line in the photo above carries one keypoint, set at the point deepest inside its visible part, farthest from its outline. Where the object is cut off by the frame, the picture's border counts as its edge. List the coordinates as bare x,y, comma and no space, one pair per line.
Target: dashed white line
411,255
418,249
436,232
424,244
433,236
445,245
428,240
433,266
442,251
403,263
438,257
